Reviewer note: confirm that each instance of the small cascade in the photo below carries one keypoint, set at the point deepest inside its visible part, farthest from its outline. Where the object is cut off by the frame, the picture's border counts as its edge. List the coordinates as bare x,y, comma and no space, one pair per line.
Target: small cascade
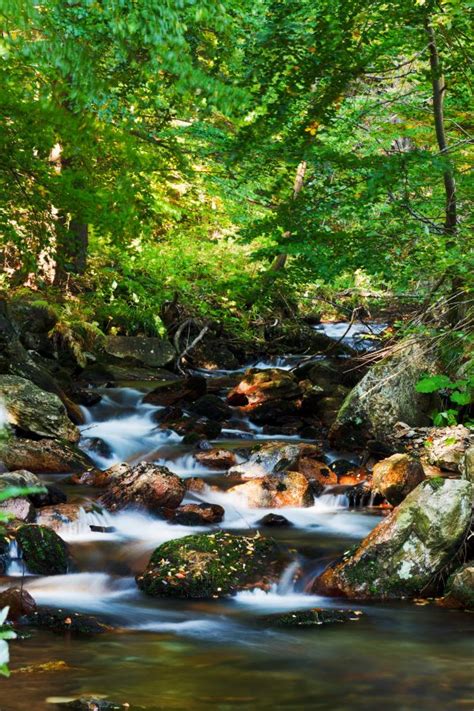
359,336
121,427
16,565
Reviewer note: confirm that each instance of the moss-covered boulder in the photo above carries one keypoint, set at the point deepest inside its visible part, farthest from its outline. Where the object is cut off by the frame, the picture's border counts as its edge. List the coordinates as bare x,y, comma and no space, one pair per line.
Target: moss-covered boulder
396,476
209,565
34,411
460,587
386,395
44,552
404,554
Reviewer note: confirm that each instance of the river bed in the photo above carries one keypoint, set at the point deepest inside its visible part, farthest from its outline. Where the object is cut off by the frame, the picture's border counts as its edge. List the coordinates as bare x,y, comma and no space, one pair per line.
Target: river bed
176,654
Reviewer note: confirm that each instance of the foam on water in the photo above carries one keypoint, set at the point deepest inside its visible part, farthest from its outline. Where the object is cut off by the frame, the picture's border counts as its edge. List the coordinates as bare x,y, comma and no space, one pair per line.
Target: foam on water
126,425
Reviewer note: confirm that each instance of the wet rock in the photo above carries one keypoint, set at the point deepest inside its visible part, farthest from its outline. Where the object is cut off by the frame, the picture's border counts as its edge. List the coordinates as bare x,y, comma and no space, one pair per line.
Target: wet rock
20,478
267,395
385,396
447,446
34,411
216,458
175,391
154,352
460,587
403,555
213,354
19,601
58,516
195,483
319,474
86,397
144,486
396,476
212,407
272,520
275,491
193,431
44,552
92,477
97,446
209,565
43,455
311,618
277,456
20,509
203,514
62,621
52,496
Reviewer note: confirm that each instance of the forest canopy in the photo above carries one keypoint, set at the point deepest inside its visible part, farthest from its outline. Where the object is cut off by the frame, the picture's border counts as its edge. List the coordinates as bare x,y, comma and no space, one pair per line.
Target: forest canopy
234,153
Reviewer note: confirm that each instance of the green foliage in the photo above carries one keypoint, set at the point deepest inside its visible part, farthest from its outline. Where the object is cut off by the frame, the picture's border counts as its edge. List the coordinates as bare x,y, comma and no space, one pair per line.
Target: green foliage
458,392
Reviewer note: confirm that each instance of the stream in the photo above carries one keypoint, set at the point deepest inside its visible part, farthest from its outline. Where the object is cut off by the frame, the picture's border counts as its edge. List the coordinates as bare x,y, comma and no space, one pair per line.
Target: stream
196,655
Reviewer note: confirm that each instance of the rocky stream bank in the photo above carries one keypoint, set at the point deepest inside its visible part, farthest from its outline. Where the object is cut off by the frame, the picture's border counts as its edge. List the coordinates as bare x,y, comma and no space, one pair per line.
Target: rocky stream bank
242,477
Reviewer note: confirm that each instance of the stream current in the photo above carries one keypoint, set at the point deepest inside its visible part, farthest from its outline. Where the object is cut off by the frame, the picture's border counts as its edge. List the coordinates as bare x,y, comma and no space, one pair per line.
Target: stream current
176,654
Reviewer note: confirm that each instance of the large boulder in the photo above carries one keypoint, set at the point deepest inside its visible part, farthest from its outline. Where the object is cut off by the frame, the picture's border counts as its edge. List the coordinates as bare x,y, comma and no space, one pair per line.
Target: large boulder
34,411
396,476
275,491
386,395
403,555
44,552
209,565
43,455
144,486
155,352
267,395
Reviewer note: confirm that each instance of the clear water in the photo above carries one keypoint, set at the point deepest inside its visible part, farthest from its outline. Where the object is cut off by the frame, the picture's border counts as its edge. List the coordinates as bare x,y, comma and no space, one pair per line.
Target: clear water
173,654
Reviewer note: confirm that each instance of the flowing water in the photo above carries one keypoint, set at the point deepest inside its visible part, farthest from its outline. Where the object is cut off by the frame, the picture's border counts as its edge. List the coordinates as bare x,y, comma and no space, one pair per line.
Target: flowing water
196,655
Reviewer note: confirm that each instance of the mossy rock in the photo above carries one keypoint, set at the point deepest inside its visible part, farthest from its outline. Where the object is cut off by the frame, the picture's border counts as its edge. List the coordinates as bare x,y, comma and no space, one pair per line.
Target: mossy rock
315,617
62,621
408,552
44,552
209,565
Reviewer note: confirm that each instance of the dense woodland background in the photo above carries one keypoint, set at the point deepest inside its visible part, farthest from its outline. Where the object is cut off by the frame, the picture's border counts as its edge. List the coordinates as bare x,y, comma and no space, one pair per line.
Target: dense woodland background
246,158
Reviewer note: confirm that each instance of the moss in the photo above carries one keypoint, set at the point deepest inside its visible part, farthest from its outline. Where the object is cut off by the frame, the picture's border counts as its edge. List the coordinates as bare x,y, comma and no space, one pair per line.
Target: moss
310,618
44,552
206,565
436,482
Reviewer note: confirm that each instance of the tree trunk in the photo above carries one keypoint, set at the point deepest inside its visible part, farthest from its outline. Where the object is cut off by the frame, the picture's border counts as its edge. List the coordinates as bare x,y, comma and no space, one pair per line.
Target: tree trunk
280,260
72,235
450,222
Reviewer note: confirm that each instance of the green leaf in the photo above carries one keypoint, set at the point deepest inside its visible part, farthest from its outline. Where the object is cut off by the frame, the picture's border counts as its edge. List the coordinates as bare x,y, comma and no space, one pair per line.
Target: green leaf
433,383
